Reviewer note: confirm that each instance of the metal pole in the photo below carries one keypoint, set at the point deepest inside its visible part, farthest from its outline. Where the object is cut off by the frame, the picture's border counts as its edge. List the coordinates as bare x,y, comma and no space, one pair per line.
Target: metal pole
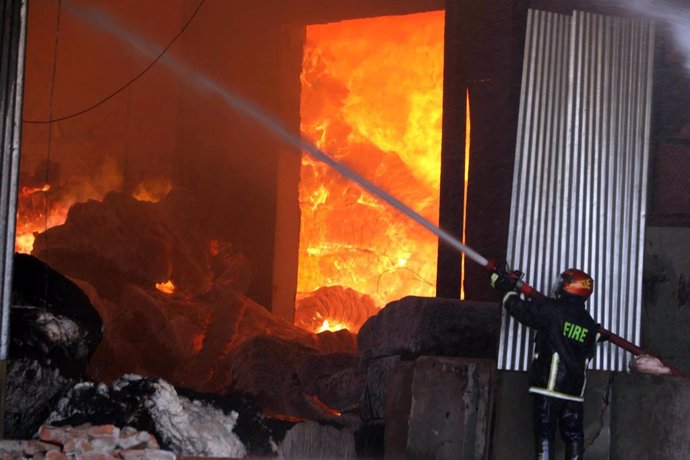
13,15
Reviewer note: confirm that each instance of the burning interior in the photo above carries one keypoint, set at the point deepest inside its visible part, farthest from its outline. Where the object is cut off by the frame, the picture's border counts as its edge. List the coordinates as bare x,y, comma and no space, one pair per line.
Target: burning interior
372,96
169,240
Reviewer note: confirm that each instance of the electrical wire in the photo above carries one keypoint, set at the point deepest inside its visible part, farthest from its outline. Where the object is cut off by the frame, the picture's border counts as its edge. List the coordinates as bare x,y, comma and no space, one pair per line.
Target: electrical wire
58,21
123,87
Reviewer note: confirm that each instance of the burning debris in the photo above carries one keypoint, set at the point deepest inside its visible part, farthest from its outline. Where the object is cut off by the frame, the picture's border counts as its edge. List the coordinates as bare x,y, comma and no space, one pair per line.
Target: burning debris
290,379
55,331
122,241
54,341
333,308
52,320
266,376
45,197
161,284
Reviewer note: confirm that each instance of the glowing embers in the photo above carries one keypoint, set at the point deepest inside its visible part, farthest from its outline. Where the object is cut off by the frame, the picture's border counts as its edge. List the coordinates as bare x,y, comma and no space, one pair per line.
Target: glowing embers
166,288
372,94
152,190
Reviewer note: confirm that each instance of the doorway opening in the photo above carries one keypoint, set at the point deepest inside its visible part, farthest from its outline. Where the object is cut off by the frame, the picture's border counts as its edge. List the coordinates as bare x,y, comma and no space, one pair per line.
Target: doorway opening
371,98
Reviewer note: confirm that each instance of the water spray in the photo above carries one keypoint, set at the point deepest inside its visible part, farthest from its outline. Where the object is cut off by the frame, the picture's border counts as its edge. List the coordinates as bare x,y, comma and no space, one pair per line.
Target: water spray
101,20
674,17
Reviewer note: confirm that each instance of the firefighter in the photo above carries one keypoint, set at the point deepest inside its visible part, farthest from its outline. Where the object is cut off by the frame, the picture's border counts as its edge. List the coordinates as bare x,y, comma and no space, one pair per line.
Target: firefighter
565,339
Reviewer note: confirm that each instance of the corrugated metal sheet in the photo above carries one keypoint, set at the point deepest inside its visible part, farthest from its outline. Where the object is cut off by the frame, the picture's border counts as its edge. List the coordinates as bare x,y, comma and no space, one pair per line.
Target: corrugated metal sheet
580,180
12,46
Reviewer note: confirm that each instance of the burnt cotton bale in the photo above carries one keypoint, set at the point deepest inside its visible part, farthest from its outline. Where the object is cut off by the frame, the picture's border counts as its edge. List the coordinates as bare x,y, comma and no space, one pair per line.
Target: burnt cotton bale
54,331
416,326
421,326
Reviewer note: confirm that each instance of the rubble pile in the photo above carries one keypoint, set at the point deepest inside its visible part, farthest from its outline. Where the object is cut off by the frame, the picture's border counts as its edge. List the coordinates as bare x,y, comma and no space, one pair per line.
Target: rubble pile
184,422
103,442
197,368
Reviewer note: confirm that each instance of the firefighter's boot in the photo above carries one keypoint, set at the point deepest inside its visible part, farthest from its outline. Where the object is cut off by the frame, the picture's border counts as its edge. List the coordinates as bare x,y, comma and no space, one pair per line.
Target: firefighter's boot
545,449
574,450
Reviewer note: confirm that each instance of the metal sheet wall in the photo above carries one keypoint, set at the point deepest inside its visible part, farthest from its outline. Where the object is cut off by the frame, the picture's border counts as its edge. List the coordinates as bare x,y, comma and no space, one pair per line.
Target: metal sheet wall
12,47
580,179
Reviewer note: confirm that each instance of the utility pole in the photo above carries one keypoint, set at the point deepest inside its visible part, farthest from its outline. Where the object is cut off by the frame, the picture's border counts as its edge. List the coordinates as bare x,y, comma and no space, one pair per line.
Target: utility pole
13,15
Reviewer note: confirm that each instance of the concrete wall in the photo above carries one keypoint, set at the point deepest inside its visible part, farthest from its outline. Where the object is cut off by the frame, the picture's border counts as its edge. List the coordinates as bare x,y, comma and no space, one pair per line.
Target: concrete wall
666,305
649,417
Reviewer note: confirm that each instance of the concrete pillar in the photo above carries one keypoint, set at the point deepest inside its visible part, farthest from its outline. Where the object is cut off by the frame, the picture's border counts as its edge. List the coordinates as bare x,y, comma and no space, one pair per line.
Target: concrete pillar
439,408
649,417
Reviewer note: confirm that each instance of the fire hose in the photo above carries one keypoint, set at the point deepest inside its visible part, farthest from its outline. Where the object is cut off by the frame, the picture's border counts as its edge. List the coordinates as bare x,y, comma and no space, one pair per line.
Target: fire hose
529,291
490,265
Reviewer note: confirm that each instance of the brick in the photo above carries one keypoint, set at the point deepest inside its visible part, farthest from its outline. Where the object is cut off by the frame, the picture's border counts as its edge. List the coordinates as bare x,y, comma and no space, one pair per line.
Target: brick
128,431
104,431
138,440
34,447
54,434
55,455
78,446
93,455
103,444
83,428
147,454
48,447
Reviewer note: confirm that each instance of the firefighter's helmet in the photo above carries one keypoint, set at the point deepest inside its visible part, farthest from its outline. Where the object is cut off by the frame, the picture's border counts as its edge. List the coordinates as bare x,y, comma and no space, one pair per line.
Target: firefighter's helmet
576,283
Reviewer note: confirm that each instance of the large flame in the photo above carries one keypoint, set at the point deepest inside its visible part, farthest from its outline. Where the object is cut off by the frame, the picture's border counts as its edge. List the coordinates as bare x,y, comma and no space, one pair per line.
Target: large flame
372,93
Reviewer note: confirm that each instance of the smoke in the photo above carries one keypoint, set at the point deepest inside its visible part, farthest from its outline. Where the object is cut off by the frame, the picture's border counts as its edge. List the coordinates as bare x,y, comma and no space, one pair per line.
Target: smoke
100,19
674,17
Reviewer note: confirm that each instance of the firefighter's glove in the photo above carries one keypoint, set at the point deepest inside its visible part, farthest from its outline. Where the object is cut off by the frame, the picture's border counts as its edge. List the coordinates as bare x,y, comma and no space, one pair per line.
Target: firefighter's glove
504,282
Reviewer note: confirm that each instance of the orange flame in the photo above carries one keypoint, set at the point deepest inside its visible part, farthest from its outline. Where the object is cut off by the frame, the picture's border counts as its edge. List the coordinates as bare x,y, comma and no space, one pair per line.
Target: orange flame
27,190
466,183
323,406
327,326
152,190
42,207
372,93
33,204
167,288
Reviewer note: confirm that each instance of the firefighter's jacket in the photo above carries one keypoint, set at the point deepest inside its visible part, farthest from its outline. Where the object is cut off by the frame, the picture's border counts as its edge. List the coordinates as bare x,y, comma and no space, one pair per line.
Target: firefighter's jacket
566,336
